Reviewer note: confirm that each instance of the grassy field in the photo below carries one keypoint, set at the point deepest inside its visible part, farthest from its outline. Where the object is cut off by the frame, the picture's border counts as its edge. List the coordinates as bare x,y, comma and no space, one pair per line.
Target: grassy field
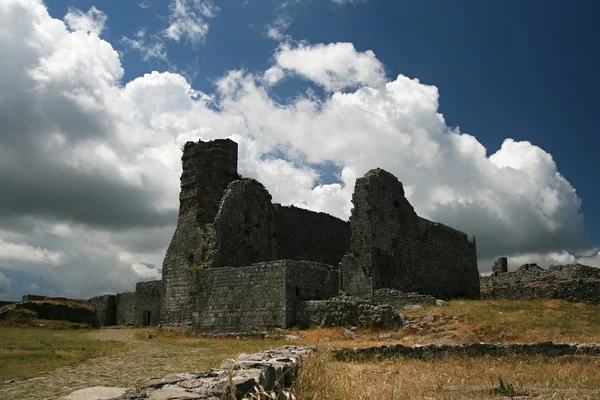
450,377
30,352
66,360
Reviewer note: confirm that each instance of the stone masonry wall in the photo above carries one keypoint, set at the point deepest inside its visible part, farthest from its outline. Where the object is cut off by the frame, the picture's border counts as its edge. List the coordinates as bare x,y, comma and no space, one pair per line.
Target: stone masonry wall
148,300
208,168
237,299
391,247
307,235
126,308
578,283
106,309
305,280
245,225
398,298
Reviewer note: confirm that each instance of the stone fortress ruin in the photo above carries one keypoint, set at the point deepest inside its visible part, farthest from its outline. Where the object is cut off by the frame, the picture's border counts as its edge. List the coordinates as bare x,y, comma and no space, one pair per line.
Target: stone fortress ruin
237,262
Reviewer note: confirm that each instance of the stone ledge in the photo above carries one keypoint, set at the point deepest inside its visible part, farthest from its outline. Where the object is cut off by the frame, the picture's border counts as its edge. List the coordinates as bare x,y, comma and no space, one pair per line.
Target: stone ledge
274,369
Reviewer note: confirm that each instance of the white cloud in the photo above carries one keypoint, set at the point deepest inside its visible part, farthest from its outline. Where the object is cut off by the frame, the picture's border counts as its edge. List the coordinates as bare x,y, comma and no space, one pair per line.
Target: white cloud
4,284
33,286
334,66
187,19
144,4
93,164
149,46
92,21
24,252
591,259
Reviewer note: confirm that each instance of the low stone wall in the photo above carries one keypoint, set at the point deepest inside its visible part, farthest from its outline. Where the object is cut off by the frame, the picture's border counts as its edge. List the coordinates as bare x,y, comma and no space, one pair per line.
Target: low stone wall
61,312
271,370
577,283
126,308
347,311
106,309
399,299
6,303
549,349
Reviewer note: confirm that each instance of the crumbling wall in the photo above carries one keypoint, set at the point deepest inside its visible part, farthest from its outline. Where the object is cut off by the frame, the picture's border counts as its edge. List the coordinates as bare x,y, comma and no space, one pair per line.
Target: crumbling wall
105,308
347,311
244,225
308,235
500,266
148,303
577,283
305,280
126,308
398,298
208,168
392,247
61,312
237,299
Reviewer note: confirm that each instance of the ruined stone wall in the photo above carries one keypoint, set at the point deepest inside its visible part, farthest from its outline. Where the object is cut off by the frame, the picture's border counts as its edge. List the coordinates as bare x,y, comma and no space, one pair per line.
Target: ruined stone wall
578,283
61,312
245,226
208,168
398,298
305,280
126,308
500,265
308,235
237,299
148,302
392,247
106,309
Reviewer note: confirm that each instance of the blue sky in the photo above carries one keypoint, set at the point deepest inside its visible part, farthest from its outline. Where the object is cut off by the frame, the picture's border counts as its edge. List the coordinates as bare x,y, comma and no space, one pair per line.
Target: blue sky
516,70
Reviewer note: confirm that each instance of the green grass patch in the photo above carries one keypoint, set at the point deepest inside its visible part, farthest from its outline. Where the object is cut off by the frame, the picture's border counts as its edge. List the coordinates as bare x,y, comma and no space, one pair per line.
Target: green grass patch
30,352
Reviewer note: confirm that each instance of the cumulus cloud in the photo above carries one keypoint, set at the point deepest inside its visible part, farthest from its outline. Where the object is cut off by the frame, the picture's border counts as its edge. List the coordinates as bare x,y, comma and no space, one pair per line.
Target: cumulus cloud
334,66
92,21
4,285
187,19
592,259
93,163
24,252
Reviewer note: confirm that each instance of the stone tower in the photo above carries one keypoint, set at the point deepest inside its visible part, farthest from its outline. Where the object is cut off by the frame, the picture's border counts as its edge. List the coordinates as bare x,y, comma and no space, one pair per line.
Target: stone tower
208,168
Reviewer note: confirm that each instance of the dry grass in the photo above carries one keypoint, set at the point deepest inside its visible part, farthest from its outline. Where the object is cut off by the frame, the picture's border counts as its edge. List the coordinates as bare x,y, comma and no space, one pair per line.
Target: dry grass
69,360
69,303
515,321
465,321
449,377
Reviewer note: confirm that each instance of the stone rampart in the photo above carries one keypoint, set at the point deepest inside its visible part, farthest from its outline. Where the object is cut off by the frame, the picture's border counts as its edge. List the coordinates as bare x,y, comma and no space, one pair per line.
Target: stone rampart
126,308
392,247
398,298
307,235
577,283
61,312
106,309
148,298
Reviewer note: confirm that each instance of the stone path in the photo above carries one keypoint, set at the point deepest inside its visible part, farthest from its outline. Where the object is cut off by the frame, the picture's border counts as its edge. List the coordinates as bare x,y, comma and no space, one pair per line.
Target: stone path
121,369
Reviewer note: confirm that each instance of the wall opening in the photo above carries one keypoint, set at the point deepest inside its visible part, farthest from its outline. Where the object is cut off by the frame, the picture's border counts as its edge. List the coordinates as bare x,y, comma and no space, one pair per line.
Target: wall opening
146,318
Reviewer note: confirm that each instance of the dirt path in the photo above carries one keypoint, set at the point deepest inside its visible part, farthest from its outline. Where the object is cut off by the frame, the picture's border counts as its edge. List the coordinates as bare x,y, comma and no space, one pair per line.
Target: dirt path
143,360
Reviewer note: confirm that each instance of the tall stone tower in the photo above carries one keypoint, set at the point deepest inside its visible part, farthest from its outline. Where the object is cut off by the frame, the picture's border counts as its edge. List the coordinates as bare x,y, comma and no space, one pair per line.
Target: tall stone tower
208,168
